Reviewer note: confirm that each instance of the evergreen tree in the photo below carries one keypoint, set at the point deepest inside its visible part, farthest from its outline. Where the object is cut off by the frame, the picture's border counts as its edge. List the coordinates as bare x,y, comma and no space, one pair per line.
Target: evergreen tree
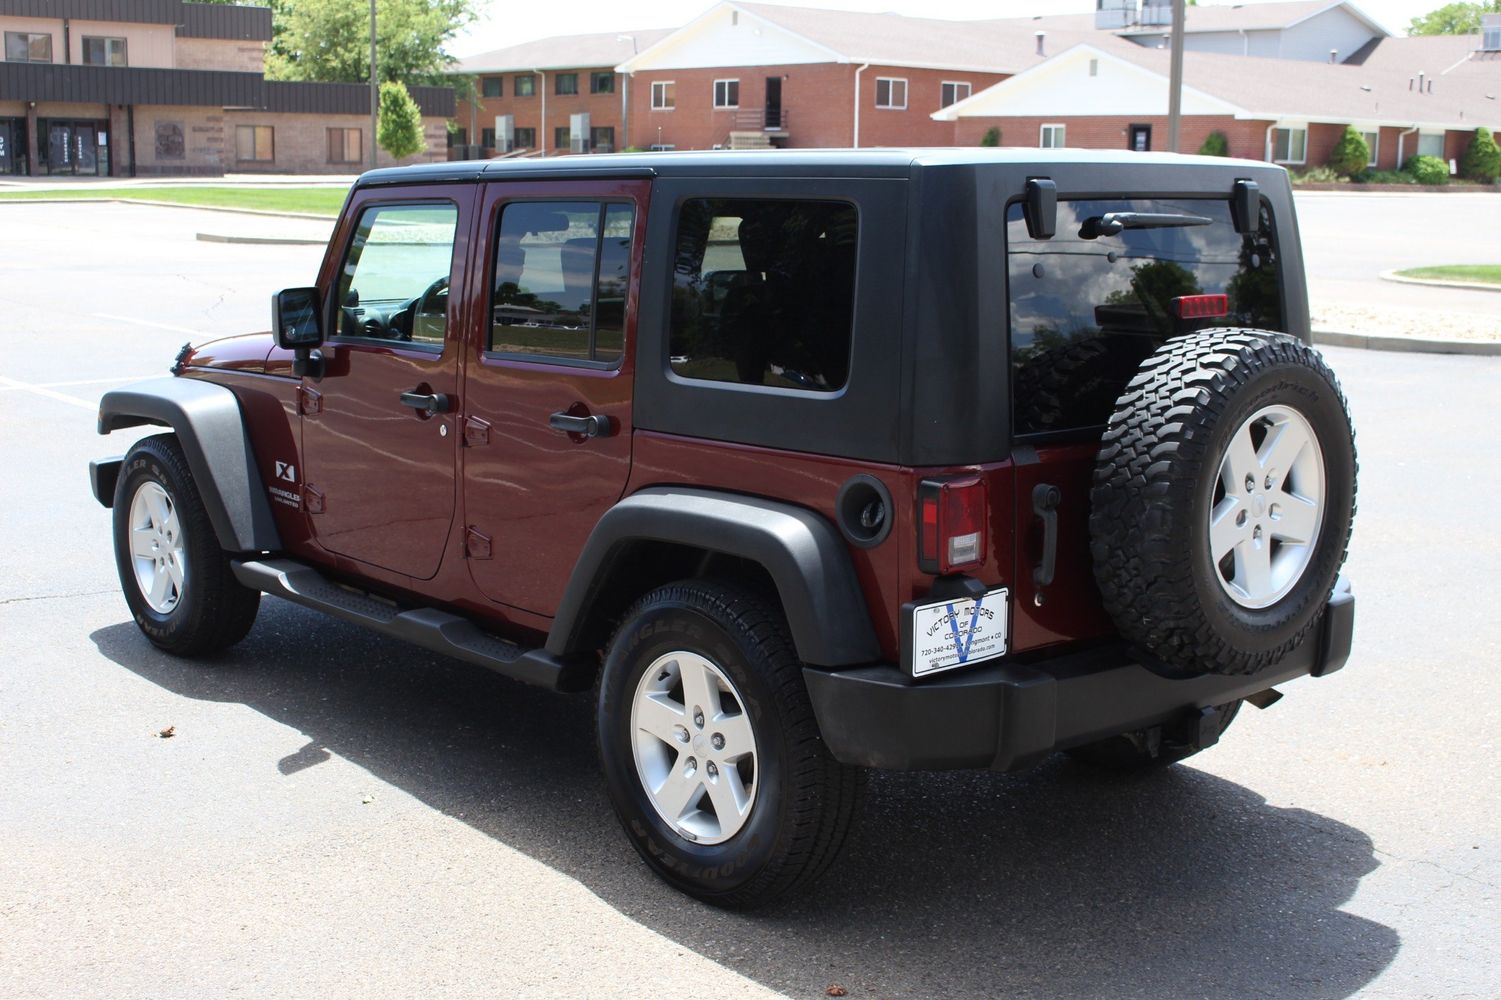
400,126
1351,154
1482,157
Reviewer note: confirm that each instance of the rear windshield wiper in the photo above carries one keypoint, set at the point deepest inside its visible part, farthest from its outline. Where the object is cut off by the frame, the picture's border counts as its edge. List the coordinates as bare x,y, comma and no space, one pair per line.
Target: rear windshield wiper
1113,222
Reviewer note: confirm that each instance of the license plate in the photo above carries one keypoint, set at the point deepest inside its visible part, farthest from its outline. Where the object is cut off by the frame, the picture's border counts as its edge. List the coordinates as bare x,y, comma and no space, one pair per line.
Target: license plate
951,634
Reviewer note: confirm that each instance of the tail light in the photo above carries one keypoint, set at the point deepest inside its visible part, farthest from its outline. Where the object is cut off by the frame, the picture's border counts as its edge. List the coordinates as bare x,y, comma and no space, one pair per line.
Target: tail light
951,519
1200,306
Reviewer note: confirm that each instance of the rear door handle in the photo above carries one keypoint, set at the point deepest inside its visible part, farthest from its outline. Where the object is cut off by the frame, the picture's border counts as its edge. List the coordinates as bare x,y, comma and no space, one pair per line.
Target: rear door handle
592,426
1045,501
437,402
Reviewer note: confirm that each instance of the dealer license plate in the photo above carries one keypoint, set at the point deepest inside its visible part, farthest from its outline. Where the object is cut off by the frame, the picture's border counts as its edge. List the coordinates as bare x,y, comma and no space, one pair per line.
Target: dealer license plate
952,634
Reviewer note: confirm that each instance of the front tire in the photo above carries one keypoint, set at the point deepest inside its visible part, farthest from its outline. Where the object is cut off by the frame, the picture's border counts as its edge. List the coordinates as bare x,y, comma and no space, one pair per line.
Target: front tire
176,579
710,750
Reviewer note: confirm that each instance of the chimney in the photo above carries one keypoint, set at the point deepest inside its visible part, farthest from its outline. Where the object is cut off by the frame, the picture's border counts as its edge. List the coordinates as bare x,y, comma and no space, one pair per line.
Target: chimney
1041,39
1334,55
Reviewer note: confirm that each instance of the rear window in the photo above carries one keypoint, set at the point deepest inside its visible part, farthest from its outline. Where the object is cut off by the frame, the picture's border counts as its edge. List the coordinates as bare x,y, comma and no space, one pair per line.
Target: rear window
1087,307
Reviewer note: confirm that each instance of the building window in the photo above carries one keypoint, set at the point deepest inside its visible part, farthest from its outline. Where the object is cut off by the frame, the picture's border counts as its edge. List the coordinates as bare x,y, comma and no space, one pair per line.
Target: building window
1051,137
561,137
953,93
663,95
1289,145
891,93
344,145
525,86
1373,143
565,84
661,147
1431,144
727,93
255,143
487,138
525,138
458,137
494,86
602,83
602,140
103,51
21,46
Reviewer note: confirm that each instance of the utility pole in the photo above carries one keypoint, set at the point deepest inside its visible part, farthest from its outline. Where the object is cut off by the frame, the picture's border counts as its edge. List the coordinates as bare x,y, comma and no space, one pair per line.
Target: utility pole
374,88
1175,81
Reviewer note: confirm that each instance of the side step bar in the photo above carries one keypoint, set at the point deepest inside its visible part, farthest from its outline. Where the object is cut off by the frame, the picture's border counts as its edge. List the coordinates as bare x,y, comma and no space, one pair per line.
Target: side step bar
429,628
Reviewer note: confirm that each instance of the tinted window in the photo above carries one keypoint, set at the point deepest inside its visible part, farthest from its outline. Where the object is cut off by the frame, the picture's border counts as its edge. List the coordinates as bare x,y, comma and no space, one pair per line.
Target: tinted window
1087,309
394,283
562,273
764,292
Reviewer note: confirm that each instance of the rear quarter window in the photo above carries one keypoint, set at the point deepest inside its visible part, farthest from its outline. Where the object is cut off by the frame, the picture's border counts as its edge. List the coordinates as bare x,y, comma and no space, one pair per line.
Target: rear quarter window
1086,309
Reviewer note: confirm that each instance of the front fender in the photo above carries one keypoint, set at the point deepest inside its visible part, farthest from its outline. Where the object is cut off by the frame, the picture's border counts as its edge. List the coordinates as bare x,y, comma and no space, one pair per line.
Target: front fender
208,423
802,552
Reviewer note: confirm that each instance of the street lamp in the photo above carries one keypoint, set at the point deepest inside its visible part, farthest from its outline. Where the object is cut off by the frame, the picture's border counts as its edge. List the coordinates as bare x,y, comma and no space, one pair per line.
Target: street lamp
374,88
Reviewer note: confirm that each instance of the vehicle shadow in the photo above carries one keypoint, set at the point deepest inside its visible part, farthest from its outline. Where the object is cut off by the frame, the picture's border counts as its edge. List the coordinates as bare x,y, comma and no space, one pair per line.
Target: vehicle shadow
1060,882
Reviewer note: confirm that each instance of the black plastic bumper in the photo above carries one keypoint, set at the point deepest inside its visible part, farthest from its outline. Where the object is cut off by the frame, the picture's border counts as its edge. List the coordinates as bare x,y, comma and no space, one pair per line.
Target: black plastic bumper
103,475
1011,715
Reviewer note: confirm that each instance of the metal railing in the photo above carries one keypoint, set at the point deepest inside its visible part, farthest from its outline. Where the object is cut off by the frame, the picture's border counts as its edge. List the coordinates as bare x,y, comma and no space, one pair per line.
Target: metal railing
763,119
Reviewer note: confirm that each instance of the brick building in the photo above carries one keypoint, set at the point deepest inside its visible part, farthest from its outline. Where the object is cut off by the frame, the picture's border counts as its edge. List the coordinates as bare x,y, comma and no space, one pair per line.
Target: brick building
135,87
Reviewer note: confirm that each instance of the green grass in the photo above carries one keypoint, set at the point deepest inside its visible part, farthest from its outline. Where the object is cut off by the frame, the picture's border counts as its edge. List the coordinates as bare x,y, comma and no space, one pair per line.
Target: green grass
315,201
1485,274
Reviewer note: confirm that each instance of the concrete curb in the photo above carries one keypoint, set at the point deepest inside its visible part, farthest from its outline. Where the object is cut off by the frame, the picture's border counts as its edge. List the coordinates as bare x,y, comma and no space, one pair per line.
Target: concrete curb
275,241
1417,345
330,219
1475,286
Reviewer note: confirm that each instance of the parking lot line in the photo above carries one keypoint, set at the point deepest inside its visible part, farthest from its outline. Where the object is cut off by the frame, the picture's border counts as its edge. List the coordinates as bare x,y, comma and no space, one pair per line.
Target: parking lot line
143,322
80,381
10,383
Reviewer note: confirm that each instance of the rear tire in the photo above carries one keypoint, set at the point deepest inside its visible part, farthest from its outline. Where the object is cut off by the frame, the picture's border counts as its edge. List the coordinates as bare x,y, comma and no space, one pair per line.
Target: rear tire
176,579
710,750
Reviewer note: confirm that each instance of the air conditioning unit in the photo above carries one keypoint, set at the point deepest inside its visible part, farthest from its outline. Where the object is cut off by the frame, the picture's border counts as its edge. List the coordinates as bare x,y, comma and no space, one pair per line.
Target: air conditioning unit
1490,32
1156,12
1112,14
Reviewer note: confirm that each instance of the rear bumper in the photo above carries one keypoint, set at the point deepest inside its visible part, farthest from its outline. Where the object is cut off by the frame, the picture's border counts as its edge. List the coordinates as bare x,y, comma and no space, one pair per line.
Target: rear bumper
1011,715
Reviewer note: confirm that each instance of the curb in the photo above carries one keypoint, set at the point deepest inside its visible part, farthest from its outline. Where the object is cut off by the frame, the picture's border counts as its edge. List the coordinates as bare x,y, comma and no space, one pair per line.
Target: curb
1412,345
1476,286
276,241
171,204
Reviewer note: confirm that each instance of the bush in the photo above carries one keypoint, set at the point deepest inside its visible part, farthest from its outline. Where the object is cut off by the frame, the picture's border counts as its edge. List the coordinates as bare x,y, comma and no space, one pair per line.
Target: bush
399,128
1318,175
1351,154
1215,144
1383,177
1482,158
992,137
1427,169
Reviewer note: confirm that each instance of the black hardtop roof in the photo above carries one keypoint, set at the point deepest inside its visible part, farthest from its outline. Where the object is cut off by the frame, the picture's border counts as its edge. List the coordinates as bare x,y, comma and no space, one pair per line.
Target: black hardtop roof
784,162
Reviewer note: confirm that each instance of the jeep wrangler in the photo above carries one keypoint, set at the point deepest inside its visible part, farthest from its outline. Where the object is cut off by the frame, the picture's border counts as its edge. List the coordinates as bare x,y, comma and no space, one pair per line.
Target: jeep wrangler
800,462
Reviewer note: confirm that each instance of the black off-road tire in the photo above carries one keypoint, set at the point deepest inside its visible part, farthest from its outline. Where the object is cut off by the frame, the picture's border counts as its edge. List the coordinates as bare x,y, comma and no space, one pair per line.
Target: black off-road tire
1154,485
213,610
804,801
1145,749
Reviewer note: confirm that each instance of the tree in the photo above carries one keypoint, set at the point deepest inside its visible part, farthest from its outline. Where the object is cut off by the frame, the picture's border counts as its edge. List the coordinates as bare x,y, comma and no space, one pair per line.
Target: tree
400,129
1453,19
1351,154
1215,144
329,40
992,137
1482,157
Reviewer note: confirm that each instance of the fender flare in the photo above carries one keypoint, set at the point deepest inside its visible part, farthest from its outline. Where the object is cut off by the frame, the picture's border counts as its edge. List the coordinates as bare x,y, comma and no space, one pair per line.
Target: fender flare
209,425
801,551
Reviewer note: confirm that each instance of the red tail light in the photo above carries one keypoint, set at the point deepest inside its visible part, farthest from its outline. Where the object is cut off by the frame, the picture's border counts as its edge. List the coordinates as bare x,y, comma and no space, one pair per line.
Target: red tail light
951,519
1200,306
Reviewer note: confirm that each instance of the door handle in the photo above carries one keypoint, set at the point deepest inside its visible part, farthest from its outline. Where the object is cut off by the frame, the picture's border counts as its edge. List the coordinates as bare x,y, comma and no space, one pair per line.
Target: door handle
592,426
1045,501
437,402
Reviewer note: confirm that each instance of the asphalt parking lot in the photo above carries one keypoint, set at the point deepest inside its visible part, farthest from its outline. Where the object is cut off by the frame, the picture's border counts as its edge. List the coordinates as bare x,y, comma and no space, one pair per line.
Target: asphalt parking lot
340,815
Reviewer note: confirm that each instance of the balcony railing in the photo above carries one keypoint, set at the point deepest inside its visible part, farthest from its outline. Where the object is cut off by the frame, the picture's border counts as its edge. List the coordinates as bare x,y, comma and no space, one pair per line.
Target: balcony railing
761,119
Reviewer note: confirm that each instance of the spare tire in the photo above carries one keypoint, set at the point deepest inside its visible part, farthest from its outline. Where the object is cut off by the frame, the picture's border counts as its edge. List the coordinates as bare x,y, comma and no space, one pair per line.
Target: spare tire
1223,496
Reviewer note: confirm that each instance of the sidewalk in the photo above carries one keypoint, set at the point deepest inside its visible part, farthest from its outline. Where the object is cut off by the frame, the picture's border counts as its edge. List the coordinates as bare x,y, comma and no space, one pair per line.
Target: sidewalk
228,180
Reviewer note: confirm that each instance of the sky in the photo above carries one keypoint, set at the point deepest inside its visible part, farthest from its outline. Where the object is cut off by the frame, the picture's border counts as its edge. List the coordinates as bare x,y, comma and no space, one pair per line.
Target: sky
509,22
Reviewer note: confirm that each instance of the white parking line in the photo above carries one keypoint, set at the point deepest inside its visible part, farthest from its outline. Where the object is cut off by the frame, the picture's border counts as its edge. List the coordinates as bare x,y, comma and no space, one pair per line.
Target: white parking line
10,383
142,322
81,381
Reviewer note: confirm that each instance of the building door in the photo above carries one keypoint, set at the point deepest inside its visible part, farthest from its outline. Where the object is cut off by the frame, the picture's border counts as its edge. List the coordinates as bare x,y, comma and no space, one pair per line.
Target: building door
7,147
76,147
85,152
773,103
1141,138
59,148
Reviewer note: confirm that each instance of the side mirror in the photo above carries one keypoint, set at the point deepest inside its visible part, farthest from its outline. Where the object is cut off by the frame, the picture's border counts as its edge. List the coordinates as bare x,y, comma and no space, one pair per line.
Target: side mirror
297,319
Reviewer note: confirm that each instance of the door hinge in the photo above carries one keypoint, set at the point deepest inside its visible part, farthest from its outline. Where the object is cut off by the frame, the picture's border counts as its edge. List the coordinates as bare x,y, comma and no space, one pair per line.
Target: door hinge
312,499
309,400
476,544
476,432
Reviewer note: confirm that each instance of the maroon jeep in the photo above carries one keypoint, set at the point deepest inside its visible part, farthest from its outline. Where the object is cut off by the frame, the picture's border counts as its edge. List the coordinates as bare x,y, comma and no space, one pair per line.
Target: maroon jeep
801,462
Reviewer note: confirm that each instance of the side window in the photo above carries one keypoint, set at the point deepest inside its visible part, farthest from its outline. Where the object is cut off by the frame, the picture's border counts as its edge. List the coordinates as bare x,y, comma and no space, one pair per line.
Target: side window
562,274
394,282
764,292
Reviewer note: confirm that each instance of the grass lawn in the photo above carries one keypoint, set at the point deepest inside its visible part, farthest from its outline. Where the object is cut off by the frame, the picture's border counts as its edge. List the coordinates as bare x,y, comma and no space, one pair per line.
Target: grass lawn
1487,274
316,201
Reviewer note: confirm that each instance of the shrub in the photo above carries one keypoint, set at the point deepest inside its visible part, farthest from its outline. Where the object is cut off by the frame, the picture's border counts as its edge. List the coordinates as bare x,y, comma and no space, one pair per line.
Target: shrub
1215,144
1482,158
1427,169
399,128
992,137
1351,153
1318,175
1384,177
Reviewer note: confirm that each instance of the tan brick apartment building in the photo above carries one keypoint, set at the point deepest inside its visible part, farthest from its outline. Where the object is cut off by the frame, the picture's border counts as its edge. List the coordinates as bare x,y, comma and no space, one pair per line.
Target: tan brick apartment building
135,87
